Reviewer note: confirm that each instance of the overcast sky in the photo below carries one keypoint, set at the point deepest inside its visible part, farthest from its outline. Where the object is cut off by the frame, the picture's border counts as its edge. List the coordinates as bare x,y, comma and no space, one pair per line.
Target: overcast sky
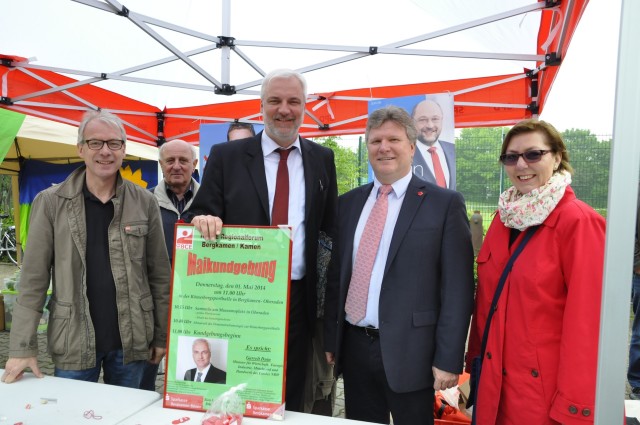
583,94
63,33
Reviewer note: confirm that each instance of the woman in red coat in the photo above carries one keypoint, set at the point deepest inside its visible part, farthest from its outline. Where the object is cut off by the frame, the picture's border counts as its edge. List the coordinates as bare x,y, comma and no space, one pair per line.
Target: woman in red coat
540,360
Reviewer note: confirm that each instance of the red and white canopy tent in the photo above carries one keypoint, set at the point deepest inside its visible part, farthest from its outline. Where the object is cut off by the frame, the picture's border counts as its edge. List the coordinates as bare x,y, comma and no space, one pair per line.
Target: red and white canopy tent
482,100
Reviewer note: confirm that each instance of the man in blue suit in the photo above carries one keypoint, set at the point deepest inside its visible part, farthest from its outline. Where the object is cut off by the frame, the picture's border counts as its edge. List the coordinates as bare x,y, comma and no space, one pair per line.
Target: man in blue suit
404,335
428,117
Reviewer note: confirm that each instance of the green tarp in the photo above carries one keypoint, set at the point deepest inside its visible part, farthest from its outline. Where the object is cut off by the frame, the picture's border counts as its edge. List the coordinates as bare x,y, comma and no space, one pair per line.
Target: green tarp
10,123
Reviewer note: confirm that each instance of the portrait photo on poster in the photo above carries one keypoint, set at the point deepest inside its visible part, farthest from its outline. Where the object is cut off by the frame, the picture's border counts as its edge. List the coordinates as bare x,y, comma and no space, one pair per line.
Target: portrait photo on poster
433,114
202,360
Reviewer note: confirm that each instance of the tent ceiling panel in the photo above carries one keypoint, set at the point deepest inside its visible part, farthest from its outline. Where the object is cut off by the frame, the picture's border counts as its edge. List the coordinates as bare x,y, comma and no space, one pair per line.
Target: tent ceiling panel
482,98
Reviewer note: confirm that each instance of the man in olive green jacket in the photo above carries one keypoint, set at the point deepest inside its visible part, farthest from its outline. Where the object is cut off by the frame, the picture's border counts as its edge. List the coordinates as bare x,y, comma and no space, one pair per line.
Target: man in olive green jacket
99,240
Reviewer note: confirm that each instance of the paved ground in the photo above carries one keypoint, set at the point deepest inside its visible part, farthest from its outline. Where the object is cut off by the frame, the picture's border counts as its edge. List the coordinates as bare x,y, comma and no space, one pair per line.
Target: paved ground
46,365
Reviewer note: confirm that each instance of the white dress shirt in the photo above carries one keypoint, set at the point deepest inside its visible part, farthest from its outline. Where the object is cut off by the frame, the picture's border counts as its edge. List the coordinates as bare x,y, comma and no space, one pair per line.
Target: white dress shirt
296,197
395,197
427,158
204,373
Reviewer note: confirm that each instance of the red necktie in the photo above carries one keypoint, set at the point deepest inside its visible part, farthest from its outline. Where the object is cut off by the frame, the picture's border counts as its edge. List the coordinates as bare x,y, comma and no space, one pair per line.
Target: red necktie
280,210
356,306
437,167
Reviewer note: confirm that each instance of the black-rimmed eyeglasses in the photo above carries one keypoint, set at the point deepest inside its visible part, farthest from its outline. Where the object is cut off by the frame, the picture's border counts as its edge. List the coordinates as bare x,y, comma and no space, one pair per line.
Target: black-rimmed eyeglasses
96,145
528,156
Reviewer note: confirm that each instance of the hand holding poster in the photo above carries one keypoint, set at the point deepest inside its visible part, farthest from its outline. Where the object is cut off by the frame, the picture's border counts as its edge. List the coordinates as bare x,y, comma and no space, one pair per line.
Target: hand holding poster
228,318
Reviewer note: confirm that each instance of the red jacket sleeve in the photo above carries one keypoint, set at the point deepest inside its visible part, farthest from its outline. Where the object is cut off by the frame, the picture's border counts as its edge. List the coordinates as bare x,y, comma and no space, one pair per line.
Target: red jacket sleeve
581,235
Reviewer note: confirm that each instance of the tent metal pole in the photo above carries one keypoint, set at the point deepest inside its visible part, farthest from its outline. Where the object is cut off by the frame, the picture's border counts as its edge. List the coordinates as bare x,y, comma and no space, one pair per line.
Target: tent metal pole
149,20
50,84
169,46
621,218
225,54
120,75
116,76
395,51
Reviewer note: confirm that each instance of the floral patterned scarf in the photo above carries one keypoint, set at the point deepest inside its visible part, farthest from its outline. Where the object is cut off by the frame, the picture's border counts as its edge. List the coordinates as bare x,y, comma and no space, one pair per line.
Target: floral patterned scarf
519,211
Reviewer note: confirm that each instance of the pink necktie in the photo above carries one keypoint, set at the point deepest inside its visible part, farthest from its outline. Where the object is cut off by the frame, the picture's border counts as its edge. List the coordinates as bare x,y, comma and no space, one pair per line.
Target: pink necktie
280,209
437,167
356,305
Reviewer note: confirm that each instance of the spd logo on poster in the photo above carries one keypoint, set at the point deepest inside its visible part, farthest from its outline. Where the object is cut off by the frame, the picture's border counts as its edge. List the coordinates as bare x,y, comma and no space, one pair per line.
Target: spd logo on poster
184,239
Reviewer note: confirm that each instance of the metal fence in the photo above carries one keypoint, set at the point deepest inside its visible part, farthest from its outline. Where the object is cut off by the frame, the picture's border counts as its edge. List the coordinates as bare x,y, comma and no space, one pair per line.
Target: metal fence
481,178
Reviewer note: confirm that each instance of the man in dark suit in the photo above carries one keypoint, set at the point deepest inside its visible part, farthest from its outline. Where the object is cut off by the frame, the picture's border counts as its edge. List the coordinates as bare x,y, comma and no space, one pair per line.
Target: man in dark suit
403,333
428,117
204,370
239,187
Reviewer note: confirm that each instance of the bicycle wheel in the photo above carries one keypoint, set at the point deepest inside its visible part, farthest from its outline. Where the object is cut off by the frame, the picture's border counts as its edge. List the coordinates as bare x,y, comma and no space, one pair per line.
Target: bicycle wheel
9,245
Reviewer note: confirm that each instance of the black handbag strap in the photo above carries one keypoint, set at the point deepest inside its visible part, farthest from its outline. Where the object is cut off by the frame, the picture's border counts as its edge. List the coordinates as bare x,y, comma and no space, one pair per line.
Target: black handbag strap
503,278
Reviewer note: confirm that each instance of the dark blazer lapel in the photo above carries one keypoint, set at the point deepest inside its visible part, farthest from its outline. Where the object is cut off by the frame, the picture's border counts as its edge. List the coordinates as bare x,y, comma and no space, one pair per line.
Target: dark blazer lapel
449,150
420,167
254,161
309,163
416,193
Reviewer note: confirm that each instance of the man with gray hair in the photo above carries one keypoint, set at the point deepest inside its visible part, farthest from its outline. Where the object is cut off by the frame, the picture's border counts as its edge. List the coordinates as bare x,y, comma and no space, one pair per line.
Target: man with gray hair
98,239
277,178
174,193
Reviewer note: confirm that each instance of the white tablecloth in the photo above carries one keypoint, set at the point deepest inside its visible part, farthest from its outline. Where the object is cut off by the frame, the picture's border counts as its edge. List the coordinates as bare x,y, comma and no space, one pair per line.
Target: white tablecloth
105,405
632,408
22,401
157,415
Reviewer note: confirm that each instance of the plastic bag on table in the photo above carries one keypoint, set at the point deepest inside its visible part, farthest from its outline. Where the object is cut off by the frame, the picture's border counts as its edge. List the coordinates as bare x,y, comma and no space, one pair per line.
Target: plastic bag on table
227,409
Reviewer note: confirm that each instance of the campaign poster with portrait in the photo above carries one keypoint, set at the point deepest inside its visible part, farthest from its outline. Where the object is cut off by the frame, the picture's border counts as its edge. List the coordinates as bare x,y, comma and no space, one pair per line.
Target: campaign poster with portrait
228,318
433,116
212,134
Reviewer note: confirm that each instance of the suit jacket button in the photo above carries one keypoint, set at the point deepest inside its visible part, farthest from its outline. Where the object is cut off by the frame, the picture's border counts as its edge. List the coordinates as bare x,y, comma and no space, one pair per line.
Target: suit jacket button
534,373
489,355
586,412
573,410
504,371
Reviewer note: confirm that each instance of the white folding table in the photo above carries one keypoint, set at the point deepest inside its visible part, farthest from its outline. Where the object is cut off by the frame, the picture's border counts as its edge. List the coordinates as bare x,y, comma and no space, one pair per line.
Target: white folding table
52,400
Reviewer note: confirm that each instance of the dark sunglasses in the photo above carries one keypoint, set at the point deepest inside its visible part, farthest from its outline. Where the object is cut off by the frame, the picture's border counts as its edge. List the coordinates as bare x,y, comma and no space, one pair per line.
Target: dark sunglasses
528,156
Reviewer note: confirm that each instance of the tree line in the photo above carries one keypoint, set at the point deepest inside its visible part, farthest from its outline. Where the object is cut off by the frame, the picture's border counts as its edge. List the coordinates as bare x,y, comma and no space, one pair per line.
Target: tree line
480,176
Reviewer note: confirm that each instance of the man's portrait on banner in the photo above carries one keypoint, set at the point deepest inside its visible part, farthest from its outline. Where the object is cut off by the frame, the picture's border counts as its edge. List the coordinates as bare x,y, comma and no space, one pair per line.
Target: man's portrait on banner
202,360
